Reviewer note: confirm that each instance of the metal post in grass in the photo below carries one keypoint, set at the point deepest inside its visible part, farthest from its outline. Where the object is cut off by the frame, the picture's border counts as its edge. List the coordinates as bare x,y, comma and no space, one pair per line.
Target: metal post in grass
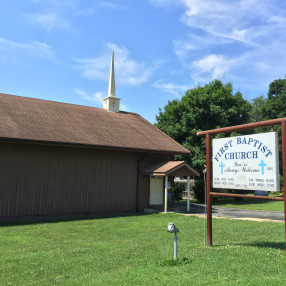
173,229
283,135
175,245
205,225
188,193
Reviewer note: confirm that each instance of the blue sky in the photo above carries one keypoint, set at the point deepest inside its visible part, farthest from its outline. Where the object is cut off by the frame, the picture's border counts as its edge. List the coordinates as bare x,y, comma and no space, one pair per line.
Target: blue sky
61,50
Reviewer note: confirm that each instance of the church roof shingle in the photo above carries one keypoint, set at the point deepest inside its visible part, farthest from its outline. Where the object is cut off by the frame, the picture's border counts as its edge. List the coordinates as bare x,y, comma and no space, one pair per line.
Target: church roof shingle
36,120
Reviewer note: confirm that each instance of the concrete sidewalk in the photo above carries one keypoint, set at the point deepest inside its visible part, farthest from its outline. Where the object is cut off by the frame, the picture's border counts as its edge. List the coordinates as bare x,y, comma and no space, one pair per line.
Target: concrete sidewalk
230,213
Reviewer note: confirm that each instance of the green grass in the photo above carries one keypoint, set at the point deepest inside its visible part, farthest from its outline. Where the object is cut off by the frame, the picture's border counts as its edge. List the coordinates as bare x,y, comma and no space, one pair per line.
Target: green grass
137,250
251,204
247,204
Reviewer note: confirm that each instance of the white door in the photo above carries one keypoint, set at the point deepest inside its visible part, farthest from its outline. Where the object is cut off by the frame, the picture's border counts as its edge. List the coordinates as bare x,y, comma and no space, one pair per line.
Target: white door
156,190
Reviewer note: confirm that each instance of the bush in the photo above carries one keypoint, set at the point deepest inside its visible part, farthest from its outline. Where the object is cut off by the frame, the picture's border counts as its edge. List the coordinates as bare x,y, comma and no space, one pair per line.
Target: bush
177,192
199,191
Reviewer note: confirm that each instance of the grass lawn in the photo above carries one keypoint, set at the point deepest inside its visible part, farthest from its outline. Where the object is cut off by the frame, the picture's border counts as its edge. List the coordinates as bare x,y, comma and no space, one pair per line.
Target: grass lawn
250,204
137,250
247,204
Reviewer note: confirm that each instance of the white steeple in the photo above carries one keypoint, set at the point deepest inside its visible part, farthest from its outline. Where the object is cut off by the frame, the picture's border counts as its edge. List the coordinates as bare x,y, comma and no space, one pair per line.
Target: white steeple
111,102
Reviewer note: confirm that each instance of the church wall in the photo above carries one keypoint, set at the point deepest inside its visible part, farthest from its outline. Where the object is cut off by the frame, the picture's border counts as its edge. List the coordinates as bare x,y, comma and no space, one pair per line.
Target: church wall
44,180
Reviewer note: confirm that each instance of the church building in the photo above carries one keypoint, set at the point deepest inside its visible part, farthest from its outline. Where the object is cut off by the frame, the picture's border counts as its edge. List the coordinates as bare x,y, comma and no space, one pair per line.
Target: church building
60,159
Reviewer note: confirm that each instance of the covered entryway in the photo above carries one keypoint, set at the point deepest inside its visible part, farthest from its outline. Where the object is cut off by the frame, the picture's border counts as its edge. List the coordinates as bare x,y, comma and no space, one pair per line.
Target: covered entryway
159,174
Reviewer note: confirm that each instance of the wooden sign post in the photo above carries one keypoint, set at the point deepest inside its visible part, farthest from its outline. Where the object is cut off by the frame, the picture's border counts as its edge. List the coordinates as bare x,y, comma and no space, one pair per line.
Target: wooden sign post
252,152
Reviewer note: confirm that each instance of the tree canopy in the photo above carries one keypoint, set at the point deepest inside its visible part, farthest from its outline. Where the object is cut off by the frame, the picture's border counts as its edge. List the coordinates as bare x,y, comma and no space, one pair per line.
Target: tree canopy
213,105
275,103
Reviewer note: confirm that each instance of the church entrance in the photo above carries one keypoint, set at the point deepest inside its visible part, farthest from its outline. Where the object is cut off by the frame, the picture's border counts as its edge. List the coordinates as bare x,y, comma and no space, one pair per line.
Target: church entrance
156,190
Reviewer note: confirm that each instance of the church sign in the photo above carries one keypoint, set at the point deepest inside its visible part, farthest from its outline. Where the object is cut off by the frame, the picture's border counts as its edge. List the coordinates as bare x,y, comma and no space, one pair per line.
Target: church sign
247,162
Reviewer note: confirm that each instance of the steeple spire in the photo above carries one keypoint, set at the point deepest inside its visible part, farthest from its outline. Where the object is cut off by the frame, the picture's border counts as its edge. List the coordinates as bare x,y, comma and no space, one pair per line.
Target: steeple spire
111,88
111,102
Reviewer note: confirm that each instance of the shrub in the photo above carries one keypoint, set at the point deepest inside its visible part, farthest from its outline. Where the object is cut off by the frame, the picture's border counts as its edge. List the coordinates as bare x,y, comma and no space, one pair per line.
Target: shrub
199,191
177,192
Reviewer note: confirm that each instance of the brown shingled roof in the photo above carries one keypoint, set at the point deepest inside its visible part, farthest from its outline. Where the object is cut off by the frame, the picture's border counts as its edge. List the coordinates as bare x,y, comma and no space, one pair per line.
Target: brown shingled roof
173,168
31,119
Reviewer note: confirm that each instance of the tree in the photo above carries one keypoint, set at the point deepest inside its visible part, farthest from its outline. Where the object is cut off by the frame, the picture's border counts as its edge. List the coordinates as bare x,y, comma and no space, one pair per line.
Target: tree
257,110
202,108
275,105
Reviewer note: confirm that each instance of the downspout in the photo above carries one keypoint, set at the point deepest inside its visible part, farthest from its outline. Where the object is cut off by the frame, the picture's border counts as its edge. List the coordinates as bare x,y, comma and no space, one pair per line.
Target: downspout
137,183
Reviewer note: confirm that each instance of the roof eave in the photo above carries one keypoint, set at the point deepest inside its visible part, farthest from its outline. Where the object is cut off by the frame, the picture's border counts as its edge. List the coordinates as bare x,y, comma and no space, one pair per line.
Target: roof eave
88,146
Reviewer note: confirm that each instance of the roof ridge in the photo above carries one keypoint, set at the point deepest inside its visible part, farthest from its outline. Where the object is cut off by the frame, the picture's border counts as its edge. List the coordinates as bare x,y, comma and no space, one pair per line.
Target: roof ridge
50,101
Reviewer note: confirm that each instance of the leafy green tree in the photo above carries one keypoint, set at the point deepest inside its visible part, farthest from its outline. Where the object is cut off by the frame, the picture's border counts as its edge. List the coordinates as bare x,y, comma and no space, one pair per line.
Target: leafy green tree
202,108
275,105
257,111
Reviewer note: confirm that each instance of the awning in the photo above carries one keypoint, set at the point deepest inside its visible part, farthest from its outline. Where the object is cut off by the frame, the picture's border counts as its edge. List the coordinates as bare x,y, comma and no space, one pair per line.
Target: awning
170,168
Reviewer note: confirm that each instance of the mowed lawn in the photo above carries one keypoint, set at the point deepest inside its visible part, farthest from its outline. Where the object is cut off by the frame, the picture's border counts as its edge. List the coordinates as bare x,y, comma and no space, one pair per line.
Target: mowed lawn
246,204
137,250
251,204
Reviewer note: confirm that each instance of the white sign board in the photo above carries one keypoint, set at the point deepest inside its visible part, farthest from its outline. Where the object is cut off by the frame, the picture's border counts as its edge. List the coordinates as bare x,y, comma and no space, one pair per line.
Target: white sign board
247,162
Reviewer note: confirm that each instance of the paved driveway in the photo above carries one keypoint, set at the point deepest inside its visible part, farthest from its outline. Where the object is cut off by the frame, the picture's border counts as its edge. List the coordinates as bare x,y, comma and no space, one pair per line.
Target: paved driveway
230,213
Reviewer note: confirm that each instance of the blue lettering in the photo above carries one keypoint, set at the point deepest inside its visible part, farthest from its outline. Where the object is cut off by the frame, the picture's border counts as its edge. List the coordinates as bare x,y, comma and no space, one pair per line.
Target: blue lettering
222,150
268,153
250,140
264,148
241,155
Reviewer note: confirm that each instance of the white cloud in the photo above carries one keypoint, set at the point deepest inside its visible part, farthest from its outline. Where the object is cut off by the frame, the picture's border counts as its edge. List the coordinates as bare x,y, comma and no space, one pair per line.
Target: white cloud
96,97
172,88
49,21
52,14
224,19
34,49
97,6
182,47
243,21
123,107
242,40
215,65
127,70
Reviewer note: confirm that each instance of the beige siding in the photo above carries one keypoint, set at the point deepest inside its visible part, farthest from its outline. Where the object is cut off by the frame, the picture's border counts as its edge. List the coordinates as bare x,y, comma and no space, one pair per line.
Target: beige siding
39,180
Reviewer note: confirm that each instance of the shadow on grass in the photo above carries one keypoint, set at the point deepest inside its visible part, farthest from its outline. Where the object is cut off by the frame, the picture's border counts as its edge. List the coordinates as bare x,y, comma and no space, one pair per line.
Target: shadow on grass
175,262
262,244
63,218
267,244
